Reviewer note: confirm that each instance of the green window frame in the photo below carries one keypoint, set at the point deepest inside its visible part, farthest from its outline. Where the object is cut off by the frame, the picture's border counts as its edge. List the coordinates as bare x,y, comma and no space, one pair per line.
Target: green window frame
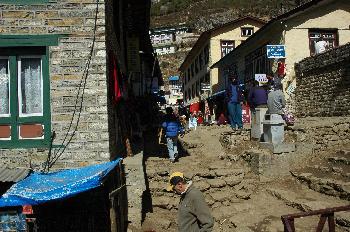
24,2
27,46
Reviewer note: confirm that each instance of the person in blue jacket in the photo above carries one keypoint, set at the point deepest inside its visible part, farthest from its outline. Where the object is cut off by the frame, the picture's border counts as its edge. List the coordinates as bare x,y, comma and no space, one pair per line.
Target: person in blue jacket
172,128
234,99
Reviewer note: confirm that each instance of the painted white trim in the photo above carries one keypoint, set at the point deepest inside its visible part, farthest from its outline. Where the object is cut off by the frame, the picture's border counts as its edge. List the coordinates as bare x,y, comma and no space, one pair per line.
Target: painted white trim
9,78
19,87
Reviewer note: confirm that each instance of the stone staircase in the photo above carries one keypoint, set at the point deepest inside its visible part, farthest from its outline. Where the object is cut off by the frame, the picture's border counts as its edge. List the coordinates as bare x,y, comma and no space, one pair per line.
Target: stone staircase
223,186
240,199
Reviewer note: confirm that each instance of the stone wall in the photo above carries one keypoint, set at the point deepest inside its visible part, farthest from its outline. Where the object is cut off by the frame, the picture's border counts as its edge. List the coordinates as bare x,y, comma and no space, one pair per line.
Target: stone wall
322,133
75,21
323,84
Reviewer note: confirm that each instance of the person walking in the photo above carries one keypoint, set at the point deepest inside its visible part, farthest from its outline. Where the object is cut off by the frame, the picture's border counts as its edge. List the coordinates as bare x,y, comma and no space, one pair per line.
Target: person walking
172,128
234,98
193,121
194,213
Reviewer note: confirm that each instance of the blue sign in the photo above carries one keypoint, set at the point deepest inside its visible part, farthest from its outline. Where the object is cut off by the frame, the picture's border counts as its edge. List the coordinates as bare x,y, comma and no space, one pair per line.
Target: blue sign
276,51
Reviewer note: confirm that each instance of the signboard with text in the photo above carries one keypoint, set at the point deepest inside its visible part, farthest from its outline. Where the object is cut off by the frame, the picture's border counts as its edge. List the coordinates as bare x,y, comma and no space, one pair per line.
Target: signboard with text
276,51
261,78
205,87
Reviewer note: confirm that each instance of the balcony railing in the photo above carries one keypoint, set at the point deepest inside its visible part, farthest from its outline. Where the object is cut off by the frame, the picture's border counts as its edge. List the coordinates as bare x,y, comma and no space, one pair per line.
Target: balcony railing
326,215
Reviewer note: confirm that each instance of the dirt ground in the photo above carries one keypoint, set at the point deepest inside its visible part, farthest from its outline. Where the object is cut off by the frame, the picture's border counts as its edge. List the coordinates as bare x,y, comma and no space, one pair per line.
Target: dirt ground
239,199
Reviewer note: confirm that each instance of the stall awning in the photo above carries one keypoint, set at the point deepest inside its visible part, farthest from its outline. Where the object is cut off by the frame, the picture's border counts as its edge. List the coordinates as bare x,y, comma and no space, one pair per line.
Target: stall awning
39,188
220,93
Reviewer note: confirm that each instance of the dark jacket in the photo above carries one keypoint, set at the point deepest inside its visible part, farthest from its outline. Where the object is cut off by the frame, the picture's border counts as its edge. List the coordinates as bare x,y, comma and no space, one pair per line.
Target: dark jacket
257,96
229,94
194,213
172,126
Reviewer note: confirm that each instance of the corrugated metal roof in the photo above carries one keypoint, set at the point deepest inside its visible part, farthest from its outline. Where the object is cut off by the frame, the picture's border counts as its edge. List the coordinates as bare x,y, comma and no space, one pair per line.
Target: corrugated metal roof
12,174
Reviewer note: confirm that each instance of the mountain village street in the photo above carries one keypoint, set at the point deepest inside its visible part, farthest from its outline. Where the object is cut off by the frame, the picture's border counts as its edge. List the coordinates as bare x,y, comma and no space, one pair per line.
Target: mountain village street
246,195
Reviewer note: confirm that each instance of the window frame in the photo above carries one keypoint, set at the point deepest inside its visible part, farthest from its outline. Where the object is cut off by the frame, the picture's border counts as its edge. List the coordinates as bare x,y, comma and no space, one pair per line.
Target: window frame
9,79
322,31
19,81
247,28
23,2
228,45
38,45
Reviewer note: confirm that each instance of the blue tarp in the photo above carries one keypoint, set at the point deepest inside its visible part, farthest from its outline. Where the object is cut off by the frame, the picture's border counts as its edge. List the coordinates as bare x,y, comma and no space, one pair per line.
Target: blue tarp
39,188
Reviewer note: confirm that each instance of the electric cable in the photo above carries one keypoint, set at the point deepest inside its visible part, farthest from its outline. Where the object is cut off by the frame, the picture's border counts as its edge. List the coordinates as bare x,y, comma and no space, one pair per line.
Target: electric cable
59,152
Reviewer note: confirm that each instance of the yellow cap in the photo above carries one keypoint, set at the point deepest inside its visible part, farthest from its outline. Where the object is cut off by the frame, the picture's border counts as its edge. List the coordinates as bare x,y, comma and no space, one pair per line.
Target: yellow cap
170,187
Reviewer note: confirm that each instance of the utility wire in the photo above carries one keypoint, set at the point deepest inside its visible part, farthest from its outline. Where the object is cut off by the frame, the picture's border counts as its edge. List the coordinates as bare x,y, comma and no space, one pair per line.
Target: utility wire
59,152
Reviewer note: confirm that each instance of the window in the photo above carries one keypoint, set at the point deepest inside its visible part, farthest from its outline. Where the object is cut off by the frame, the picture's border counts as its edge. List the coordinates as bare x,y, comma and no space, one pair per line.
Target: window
25,117
196,63
226,46
30,86
206,54
328,37
247,31
200,61
192,70
257,62
24,2
4,87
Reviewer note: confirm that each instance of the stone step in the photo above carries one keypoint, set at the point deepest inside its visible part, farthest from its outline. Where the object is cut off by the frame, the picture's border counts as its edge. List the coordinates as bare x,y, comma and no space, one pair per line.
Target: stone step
337,170
329,186
339,160
341,157
307,200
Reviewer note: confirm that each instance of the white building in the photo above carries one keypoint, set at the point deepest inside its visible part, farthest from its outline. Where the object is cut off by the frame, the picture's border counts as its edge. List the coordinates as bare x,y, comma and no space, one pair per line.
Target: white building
175,87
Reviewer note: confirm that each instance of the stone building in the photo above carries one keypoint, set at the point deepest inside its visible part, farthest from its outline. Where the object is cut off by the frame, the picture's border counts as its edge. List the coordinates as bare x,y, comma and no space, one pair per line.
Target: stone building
210,47
299,30
68,68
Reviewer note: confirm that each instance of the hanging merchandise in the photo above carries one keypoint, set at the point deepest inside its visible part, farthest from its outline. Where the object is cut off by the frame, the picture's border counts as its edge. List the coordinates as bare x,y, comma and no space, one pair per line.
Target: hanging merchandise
117,93
194,107
246,114
281,68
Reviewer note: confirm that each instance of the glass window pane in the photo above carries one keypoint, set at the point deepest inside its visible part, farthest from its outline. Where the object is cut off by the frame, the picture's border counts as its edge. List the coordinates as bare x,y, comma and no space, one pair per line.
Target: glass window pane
4,87
31,86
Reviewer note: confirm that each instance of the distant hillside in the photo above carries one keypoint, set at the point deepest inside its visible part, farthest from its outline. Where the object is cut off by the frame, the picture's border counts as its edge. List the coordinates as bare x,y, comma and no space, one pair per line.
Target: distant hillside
206,14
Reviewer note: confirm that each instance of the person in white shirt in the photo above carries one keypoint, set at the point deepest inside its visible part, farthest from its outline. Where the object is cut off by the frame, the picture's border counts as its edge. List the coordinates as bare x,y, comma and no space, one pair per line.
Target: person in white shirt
320,46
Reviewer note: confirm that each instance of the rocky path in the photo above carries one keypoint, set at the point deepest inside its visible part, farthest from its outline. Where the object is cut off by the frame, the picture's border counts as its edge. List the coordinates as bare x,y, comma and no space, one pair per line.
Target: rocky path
240,200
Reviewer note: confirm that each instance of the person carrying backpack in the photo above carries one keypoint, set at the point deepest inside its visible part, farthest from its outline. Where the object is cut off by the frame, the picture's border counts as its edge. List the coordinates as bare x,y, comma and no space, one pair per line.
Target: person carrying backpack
173,128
